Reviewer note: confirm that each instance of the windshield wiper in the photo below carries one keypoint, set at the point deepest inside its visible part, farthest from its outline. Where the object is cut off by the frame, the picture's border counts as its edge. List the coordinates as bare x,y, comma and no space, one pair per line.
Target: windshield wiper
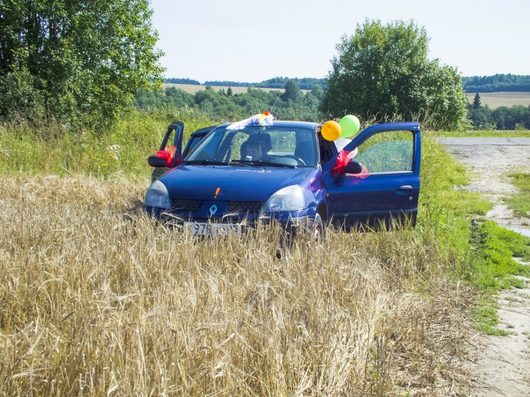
240,162
205,162
262,163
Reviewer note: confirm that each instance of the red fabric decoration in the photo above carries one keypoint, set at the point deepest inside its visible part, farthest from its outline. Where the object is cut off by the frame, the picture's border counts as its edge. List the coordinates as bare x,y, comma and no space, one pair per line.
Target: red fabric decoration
340,163
167,154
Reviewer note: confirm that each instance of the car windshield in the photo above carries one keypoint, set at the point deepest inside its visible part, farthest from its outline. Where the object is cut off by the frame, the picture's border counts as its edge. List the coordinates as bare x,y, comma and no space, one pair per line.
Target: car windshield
258,146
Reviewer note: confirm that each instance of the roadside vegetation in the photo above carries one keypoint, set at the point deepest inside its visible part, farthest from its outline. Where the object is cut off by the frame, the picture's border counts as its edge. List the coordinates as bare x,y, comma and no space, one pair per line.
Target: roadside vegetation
520,202
49,148
496,269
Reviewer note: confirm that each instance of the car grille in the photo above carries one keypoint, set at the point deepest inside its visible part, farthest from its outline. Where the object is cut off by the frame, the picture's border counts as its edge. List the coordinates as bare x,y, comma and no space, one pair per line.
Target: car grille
244,206
186,205
232,207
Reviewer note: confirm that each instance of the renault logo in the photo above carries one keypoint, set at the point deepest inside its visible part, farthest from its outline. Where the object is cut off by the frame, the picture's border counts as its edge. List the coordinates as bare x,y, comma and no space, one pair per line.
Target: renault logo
213,209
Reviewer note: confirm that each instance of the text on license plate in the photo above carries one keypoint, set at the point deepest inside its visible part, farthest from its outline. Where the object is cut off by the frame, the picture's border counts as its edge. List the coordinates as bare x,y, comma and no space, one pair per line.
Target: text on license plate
212,229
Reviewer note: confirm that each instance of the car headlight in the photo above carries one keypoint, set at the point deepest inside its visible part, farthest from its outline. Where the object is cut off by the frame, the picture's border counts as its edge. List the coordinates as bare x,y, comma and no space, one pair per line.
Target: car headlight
157,196
290,198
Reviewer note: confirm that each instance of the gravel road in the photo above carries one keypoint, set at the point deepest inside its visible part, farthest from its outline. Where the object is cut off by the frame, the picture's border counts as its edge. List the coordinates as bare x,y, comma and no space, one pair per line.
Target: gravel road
503,365
490,160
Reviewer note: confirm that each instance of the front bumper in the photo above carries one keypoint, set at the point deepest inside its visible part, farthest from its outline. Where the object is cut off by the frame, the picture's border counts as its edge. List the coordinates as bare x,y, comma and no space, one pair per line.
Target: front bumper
289,221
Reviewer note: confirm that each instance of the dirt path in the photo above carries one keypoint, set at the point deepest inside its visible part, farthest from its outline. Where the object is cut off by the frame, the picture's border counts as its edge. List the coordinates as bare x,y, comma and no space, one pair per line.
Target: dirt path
503,367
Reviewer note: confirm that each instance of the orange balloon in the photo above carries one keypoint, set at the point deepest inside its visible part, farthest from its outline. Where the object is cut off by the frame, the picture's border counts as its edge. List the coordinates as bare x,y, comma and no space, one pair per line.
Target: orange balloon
331,130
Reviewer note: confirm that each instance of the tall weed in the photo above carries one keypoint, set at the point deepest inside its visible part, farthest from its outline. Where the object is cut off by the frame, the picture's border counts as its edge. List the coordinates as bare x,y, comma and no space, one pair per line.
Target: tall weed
52,148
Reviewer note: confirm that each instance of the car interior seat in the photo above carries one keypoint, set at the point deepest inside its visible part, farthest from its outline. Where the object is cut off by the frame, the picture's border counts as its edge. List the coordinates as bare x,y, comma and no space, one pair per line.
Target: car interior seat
264,140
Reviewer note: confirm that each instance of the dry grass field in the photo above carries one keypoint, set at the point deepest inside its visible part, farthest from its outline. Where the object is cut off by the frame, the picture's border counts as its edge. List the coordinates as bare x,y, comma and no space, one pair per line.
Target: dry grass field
497,99
99,300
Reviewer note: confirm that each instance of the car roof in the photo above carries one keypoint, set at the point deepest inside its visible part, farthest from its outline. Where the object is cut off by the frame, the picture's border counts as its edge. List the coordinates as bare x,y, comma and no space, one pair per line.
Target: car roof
203,131
285,123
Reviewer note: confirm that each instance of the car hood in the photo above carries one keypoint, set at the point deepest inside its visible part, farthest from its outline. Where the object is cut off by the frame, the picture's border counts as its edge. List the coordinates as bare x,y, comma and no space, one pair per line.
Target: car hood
198,182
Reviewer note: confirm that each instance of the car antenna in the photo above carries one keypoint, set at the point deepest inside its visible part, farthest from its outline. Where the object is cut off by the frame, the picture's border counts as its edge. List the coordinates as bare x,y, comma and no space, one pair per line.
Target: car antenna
274,104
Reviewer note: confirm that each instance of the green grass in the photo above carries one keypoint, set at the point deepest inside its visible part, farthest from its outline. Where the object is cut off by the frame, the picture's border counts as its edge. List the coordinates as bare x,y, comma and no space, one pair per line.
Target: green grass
121,151
486,317
520,202
494,269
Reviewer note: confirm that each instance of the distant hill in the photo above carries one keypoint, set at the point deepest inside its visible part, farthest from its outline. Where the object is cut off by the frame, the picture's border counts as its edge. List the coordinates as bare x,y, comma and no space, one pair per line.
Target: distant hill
497,83
305,83
174,80
471,84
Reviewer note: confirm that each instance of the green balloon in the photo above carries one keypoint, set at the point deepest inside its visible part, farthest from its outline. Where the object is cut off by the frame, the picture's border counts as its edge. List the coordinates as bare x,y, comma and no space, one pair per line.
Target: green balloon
350,126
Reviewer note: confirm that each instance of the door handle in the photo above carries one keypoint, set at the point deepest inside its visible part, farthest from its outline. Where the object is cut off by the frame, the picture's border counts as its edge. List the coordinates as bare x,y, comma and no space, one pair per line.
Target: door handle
405,188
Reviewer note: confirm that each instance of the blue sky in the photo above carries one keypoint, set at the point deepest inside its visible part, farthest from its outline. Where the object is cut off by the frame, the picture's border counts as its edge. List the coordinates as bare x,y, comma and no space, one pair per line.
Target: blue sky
255,40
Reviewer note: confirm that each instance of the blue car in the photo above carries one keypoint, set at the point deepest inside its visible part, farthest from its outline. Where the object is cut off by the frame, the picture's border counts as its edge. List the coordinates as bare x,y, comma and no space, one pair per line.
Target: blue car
235,175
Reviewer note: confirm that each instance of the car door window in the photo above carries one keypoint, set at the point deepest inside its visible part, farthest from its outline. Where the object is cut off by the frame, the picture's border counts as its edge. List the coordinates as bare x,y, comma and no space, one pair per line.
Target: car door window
192,143
387,152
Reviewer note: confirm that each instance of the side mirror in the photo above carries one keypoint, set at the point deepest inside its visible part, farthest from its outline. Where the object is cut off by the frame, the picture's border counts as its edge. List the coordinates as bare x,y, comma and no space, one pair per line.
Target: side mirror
156,162
353,167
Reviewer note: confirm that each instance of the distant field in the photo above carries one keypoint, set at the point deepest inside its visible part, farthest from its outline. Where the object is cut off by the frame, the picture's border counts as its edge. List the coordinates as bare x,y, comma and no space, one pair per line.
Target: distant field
492,99
497,99
192,89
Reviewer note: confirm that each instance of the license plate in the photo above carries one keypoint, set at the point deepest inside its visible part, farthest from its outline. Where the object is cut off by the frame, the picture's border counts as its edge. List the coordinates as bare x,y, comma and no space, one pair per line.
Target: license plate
212,229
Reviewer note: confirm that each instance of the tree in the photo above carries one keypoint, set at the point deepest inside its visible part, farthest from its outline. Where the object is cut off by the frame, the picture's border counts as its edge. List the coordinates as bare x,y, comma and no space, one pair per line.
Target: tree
476,101
481,118
292,91
83,60
382,71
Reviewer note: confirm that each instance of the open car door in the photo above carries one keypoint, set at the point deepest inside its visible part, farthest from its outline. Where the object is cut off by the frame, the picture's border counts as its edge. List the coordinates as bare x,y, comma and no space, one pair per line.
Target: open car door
170,153
381,181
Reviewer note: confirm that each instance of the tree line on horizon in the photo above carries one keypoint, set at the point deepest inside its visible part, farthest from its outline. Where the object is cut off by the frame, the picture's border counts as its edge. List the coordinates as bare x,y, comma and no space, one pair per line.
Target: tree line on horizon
496,83
292,103
305,83
471,84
